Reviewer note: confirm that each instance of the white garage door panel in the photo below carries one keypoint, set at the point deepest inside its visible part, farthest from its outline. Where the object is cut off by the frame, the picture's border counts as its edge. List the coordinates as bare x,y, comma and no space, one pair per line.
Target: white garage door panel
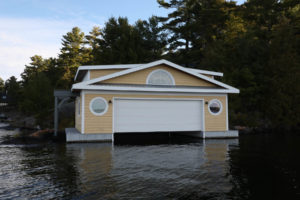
148,115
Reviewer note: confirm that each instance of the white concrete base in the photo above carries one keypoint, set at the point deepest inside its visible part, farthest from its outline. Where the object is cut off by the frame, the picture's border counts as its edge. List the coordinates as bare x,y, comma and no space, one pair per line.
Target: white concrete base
73,135
214,134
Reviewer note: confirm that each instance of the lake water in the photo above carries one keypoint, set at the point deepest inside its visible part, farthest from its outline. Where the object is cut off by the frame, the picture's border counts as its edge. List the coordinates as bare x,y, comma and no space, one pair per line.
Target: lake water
251,167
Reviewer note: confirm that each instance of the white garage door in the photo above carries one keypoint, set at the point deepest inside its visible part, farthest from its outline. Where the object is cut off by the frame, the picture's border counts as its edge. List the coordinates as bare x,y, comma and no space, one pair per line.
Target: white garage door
152,115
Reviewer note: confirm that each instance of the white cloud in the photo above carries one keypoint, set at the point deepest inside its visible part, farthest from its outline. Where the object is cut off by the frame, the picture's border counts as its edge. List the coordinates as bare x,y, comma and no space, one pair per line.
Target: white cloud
22,38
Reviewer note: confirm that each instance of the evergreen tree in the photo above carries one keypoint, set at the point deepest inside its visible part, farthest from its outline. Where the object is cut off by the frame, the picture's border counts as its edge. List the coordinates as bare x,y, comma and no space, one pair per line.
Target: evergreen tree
152,39
282,85
12,88
37,65
118,42
95,41
1,85
37,98
192,26
179,23
72,54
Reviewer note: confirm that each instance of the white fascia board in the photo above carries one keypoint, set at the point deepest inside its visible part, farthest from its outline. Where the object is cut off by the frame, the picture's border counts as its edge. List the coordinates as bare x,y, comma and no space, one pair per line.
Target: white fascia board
121,66
95,67
201,71
143,89
76,74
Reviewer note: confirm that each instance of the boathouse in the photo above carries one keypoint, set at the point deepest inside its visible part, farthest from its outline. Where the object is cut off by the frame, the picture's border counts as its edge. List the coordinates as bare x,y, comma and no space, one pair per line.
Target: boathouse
159,96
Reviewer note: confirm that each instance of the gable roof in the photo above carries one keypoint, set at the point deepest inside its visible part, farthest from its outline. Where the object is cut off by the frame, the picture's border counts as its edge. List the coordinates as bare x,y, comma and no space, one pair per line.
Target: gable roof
87,84
83,69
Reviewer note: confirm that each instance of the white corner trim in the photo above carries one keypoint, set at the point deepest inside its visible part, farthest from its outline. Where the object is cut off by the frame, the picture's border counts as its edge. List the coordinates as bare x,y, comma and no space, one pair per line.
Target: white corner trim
82,111
155,63
157,70
219,102
203,114
227,119
113,116
92,101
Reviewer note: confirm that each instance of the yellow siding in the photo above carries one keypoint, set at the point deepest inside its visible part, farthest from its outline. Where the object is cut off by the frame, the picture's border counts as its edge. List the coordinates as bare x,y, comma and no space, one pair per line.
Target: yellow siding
103,124
102,72
140,77
102,153
77,117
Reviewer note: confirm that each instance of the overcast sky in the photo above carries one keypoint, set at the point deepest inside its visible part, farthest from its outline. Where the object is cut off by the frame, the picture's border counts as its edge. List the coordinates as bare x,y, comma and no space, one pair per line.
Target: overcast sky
35,27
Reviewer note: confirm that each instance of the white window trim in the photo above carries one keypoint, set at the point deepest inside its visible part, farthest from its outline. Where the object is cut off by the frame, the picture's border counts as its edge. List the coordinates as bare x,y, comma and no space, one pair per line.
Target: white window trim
157,70
106,108
221,107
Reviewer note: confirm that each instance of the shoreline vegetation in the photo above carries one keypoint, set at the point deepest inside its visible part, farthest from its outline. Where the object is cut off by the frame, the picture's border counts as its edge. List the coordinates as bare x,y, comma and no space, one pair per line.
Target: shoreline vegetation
256,45
26,132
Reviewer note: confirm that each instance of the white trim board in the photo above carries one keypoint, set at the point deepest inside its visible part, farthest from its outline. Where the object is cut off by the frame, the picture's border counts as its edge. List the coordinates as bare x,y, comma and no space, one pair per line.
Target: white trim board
95,67
152,89
82,111
152,93
201,71
82,85
227,119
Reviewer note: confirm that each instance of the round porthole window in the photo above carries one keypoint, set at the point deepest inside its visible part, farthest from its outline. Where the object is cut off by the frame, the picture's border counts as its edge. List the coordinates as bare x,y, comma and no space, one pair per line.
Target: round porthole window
98,106
215,107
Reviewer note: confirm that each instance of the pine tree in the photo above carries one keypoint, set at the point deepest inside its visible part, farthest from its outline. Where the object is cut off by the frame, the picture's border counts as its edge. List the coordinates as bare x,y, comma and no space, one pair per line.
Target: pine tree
38,64
95,41
192,26
118,42
1,85
152,40
72,54
12,88
37,98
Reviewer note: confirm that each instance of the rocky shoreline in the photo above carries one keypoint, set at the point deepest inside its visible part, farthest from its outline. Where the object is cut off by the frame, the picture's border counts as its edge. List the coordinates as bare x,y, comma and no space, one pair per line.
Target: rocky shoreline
27,132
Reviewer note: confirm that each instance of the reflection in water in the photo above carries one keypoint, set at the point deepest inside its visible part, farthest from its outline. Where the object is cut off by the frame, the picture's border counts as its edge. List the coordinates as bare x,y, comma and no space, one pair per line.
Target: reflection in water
266,167
173,168
182,170
28,172
94,165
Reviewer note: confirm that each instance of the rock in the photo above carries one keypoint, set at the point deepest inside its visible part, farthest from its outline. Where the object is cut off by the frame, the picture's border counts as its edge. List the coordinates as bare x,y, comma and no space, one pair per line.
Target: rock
41,133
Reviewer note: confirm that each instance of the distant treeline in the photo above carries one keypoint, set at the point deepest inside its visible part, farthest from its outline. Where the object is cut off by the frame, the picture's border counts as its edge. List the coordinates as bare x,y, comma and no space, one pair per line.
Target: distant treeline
256,45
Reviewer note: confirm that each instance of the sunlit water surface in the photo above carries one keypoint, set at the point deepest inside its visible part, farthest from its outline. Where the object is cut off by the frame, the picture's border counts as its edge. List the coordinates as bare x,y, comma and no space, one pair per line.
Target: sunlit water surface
251,167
